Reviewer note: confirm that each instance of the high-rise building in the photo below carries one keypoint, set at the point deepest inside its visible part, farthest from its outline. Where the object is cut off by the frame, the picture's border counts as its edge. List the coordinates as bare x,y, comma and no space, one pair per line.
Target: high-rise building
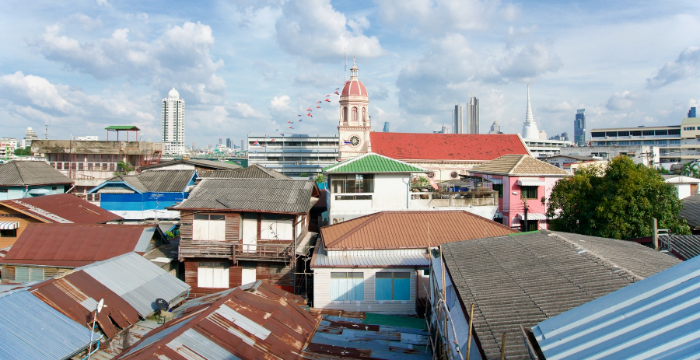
473,116
229,143
530,130
458,120
29,135
495,128
221,141
243,147
580,127
386,126
174,124
692,112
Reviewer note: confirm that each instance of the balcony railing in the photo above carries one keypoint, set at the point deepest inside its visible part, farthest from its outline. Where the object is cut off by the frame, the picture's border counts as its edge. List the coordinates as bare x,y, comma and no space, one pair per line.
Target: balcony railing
236,251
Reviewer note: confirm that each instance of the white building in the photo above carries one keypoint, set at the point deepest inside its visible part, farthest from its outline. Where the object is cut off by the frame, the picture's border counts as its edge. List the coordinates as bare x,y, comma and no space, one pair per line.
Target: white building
473,116
173,124
8,146
685,185
293,154
640,154
372,183
535,139
29,135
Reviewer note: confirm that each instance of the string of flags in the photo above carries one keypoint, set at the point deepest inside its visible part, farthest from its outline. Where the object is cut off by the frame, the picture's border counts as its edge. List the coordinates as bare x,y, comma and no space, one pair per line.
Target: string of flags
292,123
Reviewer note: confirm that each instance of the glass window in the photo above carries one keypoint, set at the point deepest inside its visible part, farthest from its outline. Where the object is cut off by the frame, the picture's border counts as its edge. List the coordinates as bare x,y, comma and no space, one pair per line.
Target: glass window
393,286
661,132
611,133
499,188
26,274
661,142
648,132
649,142
635,133
623,133
8,233
597,134
353,183
676,131
529,192
347,286
212,275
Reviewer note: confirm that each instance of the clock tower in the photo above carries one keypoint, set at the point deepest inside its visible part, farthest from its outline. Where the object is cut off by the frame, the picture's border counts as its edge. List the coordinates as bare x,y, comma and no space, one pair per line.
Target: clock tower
354,125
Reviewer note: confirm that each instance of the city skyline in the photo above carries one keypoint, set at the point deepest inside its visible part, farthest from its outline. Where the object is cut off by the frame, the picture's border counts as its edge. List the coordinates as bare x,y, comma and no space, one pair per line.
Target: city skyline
79,67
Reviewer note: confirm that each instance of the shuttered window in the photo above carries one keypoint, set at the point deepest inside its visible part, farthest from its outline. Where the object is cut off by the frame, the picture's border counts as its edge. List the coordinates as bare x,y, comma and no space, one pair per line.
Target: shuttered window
25,274
347,286
276,227
209,227
212,275
393,286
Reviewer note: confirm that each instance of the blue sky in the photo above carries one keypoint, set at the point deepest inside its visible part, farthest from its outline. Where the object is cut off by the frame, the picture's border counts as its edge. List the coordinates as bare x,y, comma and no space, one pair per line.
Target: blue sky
246,66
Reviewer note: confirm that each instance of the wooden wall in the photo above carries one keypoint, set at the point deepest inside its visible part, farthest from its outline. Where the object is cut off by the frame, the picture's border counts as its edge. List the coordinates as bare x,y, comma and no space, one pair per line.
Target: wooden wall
7,214
274,273
191,265
8,272
233,226
186,219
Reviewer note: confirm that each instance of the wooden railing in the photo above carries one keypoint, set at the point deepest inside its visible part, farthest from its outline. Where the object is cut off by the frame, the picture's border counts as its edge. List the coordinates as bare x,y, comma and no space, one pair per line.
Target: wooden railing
236,251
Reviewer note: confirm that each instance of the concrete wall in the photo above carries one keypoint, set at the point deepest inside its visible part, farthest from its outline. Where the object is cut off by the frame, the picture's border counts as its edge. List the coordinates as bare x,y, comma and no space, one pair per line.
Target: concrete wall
322,292
22,192
142,206
390,193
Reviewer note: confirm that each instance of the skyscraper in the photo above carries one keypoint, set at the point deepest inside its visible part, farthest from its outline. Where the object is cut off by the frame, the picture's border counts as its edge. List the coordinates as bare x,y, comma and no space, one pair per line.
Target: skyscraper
229,144
580,127
386,126
495,128
692,112
458,120
473,116
174,124
243,147
530,130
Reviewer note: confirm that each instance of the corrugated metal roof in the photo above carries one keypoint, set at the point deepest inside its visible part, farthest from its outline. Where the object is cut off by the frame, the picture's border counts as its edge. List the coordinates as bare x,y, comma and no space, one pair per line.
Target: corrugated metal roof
73,245
658,318
684,247
525,279
31,329
250,322
213,164
691,211
339,258
409,229
137,281
518,165
61,208
373,163
153,181
22,173
285,196
254,171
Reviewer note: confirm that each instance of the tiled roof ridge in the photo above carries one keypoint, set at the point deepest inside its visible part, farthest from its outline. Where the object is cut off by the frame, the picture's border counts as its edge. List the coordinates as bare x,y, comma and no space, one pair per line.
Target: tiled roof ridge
370,218
346,162
19,172
522,158
595,256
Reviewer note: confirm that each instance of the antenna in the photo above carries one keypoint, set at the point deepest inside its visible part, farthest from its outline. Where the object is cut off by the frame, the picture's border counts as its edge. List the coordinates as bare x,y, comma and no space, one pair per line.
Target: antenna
345,67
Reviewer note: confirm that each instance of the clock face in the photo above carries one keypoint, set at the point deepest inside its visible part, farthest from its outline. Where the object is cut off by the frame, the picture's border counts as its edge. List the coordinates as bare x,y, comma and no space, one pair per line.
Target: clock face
354,140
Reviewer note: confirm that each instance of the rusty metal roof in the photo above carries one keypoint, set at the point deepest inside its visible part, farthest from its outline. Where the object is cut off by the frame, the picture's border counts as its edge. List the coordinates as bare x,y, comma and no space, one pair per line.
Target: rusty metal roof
74,245
26,173
248,322
61,208
409,230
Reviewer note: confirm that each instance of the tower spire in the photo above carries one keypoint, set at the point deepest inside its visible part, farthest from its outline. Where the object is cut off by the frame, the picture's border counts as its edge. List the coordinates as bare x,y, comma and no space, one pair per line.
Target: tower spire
528,112
530,130
353,70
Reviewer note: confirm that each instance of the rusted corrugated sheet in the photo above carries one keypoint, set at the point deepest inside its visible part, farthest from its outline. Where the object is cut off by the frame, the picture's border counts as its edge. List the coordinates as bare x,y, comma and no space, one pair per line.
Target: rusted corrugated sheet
70,208
257,322
73,245
76,296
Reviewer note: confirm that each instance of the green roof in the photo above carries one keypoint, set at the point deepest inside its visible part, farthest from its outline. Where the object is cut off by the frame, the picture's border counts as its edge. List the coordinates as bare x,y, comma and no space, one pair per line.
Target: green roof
125,127
372,163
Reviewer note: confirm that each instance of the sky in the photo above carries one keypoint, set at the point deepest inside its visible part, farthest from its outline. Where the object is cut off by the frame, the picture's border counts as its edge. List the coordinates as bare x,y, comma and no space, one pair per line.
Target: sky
245,65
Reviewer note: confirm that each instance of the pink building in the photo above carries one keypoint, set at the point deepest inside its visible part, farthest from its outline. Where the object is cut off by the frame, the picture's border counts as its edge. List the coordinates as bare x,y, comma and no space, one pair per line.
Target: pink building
521,181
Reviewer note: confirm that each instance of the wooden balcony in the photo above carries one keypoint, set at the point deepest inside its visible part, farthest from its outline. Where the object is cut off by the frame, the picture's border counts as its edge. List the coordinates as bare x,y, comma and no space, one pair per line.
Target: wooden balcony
235,251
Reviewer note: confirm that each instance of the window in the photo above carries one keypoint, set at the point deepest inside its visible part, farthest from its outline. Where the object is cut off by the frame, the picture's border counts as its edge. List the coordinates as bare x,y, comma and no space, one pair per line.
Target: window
8,233
54,188
648,132
611,133
393,286
25,274
276,227
676,131
623,133
347,286
209,227
661,142
661,132
499,188
3,190
212,275
648,142
529,192
674,142
354,114
597,134
353,183
635,133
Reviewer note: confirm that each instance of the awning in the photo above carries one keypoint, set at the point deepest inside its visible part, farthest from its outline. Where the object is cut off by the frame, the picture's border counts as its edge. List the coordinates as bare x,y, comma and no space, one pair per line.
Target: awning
533,216
108,190
530,182
495,181
9,225
38,191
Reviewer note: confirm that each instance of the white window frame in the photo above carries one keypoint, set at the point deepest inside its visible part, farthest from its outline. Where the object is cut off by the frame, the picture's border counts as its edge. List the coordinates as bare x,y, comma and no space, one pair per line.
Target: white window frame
213,275
209,230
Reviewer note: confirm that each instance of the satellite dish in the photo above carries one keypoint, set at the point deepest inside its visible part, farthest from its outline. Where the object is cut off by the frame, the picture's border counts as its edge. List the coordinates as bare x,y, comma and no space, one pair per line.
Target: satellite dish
162,305
100,305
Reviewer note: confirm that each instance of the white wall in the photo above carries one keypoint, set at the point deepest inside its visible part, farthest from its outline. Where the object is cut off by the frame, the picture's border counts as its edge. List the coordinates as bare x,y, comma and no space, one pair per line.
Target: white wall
390,193
322,293
683,190
173,167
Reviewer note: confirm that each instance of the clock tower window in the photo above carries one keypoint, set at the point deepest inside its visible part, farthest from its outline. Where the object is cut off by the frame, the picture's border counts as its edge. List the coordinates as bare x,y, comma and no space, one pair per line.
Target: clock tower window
354,114
345,115
364,115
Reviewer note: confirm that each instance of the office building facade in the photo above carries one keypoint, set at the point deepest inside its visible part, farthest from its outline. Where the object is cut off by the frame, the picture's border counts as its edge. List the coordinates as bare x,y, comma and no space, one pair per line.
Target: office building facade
580,128
173,124
692,112
293,154
473,116
457,120
386,127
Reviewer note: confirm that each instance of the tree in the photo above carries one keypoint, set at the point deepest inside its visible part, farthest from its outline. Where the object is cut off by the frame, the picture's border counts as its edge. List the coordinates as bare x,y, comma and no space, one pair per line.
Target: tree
23,152
616,201
691,169
123,168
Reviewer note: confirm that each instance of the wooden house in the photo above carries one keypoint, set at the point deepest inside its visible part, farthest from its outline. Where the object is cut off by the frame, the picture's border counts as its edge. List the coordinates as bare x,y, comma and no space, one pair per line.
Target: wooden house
237,231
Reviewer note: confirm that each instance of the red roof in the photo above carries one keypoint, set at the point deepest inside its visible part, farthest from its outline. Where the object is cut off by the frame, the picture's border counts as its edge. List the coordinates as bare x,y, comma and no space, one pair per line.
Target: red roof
354,88
61,208
469,147
74,245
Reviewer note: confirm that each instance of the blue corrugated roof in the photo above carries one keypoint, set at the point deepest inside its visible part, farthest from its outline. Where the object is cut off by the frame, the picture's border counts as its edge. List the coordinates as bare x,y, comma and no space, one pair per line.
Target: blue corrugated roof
31,329
658,317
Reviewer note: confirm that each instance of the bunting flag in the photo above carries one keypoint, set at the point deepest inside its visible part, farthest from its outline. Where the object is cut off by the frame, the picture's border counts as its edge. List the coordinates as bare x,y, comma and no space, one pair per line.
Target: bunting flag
299,120
336,89
328,100
273,140
291,127
256,143
298,115
267,136
309,114
336,93
309,109
318,107
289,122
327,95
318,102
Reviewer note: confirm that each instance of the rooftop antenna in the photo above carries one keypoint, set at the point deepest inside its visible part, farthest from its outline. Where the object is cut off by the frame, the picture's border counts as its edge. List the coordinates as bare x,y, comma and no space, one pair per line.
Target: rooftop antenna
47,132
345,68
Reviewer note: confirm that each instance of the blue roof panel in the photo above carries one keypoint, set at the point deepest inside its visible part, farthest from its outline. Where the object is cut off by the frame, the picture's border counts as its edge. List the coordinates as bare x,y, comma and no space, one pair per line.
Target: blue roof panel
658,317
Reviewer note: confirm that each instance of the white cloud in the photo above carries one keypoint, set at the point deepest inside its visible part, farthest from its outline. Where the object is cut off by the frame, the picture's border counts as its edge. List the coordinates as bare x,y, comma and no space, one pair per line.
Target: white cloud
313,29
434,17
686,66
529,62
509,13
244,110
86,22
180,58
102,2
621,101
33,90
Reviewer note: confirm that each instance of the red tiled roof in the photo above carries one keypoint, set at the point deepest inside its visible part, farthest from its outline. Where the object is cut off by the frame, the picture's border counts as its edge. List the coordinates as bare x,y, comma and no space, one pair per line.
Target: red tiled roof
73,245
354,88
409,230
64,206
465,147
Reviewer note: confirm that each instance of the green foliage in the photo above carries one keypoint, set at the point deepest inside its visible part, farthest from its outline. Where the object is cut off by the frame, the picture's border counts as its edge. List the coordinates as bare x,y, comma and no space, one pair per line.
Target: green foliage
172,234
320,179
303,174
420,181
123,168
691,169
23,152
663,171
617,201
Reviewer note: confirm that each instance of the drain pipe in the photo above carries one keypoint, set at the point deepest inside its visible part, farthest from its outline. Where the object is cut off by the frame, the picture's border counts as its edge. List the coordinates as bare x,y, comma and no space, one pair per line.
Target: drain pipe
655,233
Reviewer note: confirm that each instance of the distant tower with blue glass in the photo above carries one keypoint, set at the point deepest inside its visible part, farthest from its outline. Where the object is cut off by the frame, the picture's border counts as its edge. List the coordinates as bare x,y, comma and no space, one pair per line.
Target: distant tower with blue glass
580,127
692,112
386,126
